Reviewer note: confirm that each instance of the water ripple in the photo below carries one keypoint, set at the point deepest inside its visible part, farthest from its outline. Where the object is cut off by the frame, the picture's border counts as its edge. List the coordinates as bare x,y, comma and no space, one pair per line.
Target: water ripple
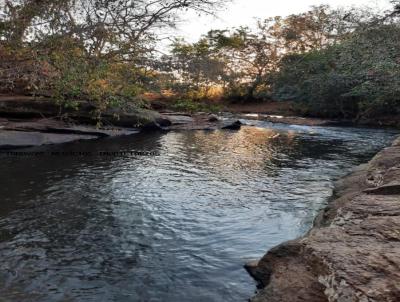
173,227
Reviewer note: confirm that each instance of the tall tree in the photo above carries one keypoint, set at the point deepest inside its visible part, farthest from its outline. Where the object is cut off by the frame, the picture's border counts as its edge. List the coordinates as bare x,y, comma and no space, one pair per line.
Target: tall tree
113,26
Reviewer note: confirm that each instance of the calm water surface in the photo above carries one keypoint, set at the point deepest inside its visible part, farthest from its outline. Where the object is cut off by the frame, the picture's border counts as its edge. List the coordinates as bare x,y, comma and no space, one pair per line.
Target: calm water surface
176,226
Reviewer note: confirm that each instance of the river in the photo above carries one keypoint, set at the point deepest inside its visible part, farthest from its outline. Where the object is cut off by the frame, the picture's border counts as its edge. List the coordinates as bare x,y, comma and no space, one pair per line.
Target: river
176,224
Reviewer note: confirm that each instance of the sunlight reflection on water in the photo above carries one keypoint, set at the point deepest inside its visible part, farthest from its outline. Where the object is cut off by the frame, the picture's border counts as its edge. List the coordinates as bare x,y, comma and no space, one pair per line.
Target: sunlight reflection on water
173,227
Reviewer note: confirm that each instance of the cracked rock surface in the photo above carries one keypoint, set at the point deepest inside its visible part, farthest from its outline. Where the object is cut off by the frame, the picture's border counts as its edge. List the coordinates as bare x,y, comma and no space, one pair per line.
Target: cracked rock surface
353,251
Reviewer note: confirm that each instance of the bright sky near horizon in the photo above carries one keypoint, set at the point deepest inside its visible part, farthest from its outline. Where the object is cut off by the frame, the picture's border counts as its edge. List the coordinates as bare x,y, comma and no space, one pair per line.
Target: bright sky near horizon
245,12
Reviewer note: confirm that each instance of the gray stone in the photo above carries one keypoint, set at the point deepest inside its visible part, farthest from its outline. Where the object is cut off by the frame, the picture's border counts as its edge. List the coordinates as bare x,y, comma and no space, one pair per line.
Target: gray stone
18,139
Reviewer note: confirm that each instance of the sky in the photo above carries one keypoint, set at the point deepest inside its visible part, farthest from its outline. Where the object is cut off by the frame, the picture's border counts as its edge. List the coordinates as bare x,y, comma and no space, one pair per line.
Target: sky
245,12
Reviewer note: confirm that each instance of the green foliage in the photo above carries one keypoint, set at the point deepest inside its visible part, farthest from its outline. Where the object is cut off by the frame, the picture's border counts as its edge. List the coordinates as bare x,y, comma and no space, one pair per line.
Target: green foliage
72,50
104,83
333,63
357,78
188,105
242,60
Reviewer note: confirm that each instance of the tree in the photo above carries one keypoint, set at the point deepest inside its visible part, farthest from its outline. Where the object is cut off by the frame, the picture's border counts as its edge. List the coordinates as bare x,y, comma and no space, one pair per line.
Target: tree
250,56
197,64
81,39
103,25
358,78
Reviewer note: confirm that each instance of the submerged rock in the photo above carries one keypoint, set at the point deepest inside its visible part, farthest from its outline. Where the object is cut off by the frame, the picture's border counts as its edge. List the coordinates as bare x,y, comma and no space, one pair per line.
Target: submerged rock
353,251
235,125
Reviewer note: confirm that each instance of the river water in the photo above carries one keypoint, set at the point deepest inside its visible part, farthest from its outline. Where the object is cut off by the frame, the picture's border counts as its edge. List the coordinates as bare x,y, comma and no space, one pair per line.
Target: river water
174,225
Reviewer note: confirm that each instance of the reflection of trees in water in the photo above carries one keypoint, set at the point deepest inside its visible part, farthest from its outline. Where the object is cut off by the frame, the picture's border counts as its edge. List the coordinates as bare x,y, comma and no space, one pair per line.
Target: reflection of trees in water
226,152
255,157
251,150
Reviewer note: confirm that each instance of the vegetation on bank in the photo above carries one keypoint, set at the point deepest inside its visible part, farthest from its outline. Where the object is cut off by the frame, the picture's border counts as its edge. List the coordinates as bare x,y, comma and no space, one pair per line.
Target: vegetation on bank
100,51
330,62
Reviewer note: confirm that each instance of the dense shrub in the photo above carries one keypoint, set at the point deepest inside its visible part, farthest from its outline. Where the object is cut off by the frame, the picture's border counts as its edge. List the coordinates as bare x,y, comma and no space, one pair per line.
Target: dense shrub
357,78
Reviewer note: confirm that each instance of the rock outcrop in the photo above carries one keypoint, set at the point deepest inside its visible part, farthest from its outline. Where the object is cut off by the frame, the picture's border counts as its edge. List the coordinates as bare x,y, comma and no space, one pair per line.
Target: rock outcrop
37,132
18,139
23,123
353,251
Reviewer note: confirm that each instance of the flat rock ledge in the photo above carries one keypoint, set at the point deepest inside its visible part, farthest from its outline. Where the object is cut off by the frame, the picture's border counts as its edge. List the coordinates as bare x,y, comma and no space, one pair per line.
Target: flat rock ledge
36,132
30,133
353,251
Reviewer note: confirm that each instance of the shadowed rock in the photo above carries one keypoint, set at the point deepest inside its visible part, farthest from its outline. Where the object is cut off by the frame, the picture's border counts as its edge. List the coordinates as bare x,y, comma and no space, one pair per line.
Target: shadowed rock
47,131
353,251
389,189
213,118
251,268
235,125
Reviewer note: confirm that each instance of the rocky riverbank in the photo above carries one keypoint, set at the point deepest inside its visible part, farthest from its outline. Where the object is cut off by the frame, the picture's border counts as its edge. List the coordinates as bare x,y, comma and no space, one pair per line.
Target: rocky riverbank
353,251
27,121
286,112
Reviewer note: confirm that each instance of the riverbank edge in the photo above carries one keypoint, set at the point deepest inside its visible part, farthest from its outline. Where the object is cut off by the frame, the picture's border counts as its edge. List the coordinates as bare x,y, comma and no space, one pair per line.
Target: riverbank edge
28,122
352,251
286,112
